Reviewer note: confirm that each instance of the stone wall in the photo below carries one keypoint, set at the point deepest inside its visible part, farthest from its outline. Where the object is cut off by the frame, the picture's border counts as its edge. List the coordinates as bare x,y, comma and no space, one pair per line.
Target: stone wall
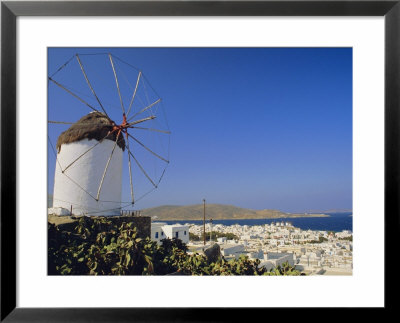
142,223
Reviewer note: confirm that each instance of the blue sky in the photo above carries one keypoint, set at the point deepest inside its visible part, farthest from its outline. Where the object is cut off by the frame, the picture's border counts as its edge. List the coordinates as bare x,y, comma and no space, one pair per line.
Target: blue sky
262,128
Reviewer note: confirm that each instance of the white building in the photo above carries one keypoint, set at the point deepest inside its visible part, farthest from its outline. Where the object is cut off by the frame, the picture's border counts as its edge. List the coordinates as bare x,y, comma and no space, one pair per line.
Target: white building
232,250
157,233
161,230
83,155
275,259
178,231
256,254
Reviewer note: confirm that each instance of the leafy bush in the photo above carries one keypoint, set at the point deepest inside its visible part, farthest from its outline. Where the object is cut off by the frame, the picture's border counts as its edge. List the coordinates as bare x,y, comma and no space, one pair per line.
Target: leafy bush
98,247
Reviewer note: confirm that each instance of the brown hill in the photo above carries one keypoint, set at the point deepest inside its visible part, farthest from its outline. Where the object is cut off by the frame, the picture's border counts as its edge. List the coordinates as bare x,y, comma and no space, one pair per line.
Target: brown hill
217,212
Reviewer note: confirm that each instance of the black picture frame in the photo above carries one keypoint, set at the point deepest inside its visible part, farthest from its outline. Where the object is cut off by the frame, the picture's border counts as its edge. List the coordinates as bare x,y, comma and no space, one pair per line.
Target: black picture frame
10,10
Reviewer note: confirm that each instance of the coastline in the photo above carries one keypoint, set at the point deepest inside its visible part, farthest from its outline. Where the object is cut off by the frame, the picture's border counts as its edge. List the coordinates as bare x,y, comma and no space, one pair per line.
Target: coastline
292,216
335,223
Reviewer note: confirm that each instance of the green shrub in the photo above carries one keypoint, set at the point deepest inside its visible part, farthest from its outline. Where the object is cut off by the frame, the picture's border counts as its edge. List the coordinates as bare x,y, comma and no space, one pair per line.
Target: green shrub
98,247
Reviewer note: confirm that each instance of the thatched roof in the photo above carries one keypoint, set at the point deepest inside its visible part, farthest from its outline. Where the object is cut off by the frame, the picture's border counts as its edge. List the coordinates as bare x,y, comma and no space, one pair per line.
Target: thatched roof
95,125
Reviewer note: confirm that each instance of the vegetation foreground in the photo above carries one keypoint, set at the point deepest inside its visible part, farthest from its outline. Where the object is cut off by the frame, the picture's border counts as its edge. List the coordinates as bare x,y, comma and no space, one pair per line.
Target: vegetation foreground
98,247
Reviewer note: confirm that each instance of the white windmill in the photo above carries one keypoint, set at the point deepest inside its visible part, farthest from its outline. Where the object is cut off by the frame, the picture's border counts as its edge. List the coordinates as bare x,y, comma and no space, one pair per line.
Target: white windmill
90,154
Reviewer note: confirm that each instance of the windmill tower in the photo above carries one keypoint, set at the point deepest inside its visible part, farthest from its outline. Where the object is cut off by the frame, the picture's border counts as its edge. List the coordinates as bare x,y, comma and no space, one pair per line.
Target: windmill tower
83,154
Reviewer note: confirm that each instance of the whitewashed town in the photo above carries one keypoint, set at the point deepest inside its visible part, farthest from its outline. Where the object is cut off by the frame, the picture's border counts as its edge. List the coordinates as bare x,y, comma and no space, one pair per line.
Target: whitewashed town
311,252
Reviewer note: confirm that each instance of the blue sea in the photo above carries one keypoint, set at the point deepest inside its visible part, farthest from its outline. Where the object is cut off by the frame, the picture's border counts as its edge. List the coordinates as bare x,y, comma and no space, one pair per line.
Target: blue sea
335,222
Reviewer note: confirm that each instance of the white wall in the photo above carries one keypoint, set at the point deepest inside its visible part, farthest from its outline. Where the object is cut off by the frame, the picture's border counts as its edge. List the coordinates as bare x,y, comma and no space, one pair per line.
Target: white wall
85,175
232,249
171,231
157,233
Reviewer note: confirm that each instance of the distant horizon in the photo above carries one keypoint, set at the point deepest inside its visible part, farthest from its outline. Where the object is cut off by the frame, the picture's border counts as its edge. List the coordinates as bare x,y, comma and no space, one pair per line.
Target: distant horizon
331,210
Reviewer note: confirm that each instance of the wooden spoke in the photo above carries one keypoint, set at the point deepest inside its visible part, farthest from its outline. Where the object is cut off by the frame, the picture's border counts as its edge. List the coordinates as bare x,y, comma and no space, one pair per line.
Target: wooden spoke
108,163
144,109
130,169
152,129
140,121
85,153
148,149
73,94
142,169
134,93
116,82
79,186
90,85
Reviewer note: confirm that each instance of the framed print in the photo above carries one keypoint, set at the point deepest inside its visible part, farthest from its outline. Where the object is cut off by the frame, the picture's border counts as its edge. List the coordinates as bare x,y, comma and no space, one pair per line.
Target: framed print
283,124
